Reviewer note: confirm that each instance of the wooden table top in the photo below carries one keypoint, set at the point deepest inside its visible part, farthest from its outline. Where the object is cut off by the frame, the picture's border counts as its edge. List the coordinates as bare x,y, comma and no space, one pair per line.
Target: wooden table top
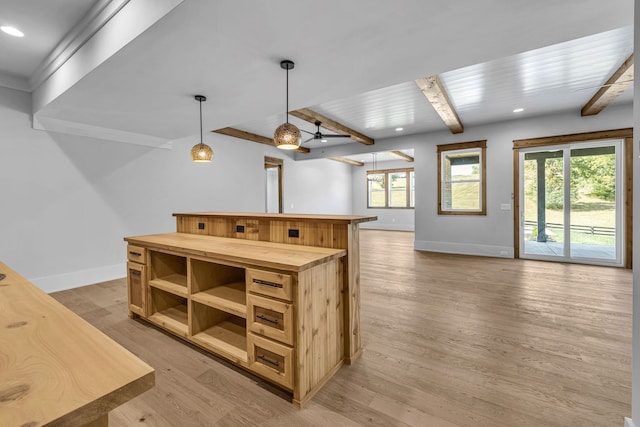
56,367
262,254
348,219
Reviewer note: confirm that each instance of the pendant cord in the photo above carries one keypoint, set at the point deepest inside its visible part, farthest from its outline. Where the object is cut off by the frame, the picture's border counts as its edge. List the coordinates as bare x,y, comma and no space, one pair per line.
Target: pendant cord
200,121
287,111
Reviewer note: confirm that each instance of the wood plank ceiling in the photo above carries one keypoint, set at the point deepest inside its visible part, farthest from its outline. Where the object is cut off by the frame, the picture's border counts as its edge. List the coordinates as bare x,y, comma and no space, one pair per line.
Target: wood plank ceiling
588,74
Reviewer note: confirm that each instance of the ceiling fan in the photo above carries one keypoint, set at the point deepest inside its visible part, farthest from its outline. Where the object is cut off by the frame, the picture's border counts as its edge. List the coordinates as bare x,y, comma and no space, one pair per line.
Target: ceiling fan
319,135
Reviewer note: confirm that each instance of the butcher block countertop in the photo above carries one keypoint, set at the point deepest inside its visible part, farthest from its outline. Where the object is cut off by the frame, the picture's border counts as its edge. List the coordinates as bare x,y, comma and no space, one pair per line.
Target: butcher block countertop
263,254
55,368
336,219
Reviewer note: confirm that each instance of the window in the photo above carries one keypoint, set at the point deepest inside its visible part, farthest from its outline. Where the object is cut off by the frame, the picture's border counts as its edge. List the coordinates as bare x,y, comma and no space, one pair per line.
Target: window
391,188
376,190
397,189
462,178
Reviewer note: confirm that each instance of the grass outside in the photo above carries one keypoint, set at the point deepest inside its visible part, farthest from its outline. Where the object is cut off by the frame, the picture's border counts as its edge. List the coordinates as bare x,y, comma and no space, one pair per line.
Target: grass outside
465,195
398,197
583,238
587,211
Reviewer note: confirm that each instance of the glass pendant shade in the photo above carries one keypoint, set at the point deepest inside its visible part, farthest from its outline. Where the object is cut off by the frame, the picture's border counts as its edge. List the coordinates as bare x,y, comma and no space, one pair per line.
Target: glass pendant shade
201,153
287,137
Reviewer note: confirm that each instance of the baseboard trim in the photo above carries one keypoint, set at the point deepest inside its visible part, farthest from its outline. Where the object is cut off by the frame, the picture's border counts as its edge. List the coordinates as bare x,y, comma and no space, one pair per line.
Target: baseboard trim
76,279
390,227
628,422
464,248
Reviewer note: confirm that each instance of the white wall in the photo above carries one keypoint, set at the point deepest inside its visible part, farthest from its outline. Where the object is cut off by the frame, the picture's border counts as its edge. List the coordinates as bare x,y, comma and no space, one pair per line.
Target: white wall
317,186
68,201
388,219
490,235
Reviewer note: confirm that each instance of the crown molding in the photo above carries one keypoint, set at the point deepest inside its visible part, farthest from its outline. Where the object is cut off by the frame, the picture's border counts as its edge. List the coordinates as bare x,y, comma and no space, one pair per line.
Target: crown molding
96,46
90,24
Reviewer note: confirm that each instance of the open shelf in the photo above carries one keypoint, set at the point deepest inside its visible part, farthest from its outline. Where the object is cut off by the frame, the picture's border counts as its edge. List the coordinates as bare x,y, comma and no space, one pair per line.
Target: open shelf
169,273
175,283
230,298
219,331
174,319
225,337
169,311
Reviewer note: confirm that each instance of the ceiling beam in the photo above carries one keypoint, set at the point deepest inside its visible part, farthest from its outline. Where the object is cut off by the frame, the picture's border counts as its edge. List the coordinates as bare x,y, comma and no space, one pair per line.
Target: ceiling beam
311,117
435,92
402,155
345,160
619,81
237,133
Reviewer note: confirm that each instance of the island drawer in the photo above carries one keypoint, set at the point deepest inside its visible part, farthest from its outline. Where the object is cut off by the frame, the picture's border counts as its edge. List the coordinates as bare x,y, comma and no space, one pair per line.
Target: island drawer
271,318
137,254
271,360
270,284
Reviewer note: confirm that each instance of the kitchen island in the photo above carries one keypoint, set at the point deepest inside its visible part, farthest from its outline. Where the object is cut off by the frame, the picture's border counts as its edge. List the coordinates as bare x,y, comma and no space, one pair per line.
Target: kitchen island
327,231
274,309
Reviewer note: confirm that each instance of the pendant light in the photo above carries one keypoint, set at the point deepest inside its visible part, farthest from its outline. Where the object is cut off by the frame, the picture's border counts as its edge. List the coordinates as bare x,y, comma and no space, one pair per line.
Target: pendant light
287,136
201,153
375,167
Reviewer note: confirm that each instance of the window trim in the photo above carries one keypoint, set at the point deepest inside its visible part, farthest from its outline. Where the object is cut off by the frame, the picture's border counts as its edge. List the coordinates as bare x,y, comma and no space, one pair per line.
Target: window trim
482,145
386,173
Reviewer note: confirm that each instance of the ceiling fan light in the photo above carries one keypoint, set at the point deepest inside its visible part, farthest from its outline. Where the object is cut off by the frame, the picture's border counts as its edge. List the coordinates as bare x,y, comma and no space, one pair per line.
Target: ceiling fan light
201,153
287,137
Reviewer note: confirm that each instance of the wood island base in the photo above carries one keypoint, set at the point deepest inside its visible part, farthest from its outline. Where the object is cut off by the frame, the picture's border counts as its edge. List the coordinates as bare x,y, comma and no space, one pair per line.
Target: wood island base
276,310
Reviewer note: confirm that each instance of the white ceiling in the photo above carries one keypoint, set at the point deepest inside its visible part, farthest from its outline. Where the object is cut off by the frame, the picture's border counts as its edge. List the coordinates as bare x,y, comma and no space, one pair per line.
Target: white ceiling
44,23
355,62
559,77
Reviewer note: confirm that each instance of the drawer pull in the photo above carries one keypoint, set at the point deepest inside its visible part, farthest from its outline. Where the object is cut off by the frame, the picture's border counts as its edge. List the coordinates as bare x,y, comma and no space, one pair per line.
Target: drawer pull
135,253
272,285
266,319
135,272
270,361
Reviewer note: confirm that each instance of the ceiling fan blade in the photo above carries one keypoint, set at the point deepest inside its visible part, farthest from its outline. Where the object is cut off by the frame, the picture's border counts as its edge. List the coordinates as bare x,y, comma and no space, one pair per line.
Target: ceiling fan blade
304,142
306,131
336,136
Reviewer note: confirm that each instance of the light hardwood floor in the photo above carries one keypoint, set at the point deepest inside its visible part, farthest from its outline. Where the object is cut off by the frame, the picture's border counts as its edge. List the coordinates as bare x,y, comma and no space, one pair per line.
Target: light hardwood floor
448,341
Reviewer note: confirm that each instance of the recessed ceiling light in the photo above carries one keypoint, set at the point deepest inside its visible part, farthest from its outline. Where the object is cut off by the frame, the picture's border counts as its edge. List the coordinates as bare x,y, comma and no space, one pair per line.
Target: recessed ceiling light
12,31
323,140
399,129
518,110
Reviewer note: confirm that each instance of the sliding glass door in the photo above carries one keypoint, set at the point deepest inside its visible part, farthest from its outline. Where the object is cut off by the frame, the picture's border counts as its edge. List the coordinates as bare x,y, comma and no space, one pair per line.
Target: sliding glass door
570,201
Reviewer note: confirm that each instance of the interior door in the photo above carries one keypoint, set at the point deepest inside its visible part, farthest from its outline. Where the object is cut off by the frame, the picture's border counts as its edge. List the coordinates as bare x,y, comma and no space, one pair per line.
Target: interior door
273,185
